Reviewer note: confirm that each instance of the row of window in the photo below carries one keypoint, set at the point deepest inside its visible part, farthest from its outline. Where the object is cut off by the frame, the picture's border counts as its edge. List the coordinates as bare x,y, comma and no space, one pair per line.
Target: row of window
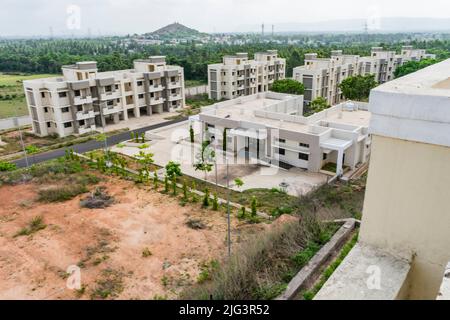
301,144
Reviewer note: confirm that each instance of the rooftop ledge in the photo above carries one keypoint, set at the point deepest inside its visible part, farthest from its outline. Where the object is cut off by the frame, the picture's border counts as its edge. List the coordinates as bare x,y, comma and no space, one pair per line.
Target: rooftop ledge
366,273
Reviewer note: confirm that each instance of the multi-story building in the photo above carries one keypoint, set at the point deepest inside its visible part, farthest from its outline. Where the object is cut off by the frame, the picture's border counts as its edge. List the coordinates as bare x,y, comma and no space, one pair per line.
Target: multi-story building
238,76
270,128
404,241
322,76
84,99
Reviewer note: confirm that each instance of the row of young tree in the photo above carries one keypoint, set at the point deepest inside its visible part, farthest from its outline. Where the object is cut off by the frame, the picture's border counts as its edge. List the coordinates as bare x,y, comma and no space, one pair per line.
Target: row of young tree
47,56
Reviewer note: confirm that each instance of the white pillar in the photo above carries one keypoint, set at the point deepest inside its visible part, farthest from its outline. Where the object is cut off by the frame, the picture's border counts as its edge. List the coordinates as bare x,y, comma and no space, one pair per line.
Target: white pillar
340,159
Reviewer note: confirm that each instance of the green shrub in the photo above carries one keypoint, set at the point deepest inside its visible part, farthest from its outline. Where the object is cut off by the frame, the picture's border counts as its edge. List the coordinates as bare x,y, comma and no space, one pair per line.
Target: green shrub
254,205
215,205
7,166
166,184
174,185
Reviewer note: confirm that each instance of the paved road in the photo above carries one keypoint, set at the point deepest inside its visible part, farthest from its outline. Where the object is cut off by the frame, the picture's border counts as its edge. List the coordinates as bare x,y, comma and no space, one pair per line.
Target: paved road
89,145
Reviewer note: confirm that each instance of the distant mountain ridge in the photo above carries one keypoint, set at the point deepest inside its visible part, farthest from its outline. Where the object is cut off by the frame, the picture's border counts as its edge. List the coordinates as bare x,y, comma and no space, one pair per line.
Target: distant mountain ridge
175,30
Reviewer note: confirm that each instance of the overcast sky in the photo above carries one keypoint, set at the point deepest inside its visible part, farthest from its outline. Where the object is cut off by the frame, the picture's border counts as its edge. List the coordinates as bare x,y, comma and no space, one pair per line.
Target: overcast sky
36,17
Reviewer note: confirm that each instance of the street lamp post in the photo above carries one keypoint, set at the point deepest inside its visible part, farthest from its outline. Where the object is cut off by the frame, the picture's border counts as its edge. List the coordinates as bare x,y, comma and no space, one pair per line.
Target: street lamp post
228,210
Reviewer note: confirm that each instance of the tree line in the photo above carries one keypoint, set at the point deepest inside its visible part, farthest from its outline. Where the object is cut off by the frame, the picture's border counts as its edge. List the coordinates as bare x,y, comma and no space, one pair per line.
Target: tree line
47,56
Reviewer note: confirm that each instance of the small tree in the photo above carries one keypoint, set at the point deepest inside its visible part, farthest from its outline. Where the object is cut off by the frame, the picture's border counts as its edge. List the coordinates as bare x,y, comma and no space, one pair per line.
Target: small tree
242,213
136,137
166,184
185,190
191,133
155,180
224,141
254,205
193,189
143,137
290,86
317,105
174,185
131,135
238,182
205,159
173,170
358,87
145,160
206,198
215,205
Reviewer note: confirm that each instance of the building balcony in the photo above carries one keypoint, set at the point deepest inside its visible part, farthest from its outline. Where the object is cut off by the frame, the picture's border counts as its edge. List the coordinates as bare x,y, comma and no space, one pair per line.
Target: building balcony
109,95
156,101
85,115
82,100
174,97
156,88
111,110
241,77
174,85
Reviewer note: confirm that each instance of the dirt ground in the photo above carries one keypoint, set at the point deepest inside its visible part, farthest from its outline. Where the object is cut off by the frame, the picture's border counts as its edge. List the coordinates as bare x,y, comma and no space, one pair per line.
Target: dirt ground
108,244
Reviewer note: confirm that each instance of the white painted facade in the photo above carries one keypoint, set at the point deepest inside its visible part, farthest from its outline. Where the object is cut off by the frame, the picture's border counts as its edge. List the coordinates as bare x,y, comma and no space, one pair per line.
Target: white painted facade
238,76
270,128
83,99
322,76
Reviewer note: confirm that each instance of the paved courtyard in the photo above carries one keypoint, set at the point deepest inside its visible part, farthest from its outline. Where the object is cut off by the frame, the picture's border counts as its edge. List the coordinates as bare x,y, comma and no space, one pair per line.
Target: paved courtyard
172,144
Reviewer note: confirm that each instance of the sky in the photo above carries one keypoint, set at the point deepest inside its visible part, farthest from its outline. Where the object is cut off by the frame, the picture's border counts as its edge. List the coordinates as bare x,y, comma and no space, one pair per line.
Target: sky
106,17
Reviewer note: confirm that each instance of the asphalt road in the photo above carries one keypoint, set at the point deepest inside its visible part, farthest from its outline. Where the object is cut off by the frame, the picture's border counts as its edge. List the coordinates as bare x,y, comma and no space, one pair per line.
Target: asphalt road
89,145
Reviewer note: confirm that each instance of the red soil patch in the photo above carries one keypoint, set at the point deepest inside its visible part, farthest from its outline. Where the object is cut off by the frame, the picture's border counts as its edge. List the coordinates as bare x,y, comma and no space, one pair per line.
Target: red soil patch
33,267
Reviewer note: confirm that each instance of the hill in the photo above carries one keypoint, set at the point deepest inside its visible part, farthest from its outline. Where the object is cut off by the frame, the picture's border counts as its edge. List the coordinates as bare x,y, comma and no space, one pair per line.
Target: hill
175,30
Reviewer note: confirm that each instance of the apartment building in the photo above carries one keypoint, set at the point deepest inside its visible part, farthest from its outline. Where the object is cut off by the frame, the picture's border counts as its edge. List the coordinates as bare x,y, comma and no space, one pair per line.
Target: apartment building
322,76
84,100
404,241
238,76
269,128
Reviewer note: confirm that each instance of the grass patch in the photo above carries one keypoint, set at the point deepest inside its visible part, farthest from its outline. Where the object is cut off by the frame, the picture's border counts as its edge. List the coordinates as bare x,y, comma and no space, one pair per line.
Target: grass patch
109,285
310,294
262,267
60,194
34,225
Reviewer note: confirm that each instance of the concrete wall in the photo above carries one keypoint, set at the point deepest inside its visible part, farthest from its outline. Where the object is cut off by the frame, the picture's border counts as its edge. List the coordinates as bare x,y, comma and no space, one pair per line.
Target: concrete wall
406,209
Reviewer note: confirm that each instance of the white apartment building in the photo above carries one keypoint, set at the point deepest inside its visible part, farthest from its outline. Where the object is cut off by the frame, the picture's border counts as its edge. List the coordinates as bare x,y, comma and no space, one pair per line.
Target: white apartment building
403,247
269,128
238,76
83,99
322,76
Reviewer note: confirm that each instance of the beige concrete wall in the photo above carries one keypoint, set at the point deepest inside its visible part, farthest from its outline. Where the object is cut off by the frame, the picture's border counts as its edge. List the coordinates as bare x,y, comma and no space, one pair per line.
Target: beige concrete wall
407,208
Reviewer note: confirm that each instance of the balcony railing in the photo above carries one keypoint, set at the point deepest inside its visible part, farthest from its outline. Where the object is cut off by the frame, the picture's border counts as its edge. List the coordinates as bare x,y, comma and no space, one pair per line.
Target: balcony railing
85,115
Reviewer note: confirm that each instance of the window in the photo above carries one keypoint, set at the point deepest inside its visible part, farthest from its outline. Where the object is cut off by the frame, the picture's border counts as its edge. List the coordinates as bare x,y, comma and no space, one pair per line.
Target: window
81,122
43,94
62,94
110,102
64,110
304,145
108,88
151,82
280,140
174,103
139,83
68,125
79,108
77,93
141,96
325,156
152,95
280,151
116,86
303,156
49,124
45,109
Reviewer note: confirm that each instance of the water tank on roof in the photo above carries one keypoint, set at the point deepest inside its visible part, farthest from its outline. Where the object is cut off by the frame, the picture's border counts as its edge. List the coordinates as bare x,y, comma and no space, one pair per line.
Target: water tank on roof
349,106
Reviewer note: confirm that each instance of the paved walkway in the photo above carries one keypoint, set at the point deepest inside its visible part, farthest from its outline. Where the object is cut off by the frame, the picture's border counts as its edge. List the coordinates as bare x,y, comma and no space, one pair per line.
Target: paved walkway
89,145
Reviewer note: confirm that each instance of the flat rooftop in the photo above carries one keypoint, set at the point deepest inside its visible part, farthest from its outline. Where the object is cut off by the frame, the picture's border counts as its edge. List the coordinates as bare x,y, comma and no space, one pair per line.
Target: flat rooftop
433,80
245,111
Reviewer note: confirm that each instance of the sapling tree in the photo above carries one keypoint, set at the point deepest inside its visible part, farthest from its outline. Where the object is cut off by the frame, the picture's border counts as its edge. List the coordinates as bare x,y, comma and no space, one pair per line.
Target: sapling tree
185,190
206,198
215,205
166,184
193,189
173,170
155,180
174,185
191,133
254,204
205,159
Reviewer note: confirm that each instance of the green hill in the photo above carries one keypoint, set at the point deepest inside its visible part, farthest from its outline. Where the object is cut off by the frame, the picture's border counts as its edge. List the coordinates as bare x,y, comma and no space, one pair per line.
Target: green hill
175,30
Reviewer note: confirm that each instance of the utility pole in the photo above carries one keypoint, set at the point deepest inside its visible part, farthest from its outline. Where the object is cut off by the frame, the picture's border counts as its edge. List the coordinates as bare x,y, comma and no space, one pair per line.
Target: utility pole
228,210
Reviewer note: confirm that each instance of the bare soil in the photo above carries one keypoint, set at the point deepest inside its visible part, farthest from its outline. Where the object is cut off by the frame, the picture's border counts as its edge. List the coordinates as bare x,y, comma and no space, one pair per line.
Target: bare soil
108,244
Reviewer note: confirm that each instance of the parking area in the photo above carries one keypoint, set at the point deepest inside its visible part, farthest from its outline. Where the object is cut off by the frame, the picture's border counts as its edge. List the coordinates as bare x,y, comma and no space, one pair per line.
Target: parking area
172,143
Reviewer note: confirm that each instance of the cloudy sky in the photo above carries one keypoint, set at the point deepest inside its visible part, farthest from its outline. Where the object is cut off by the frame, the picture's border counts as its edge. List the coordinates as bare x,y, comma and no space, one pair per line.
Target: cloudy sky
65,17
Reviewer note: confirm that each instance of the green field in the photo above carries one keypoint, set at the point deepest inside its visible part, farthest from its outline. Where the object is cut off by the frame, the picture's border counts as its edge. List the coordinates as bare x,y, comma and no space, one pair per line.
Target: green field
12,98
